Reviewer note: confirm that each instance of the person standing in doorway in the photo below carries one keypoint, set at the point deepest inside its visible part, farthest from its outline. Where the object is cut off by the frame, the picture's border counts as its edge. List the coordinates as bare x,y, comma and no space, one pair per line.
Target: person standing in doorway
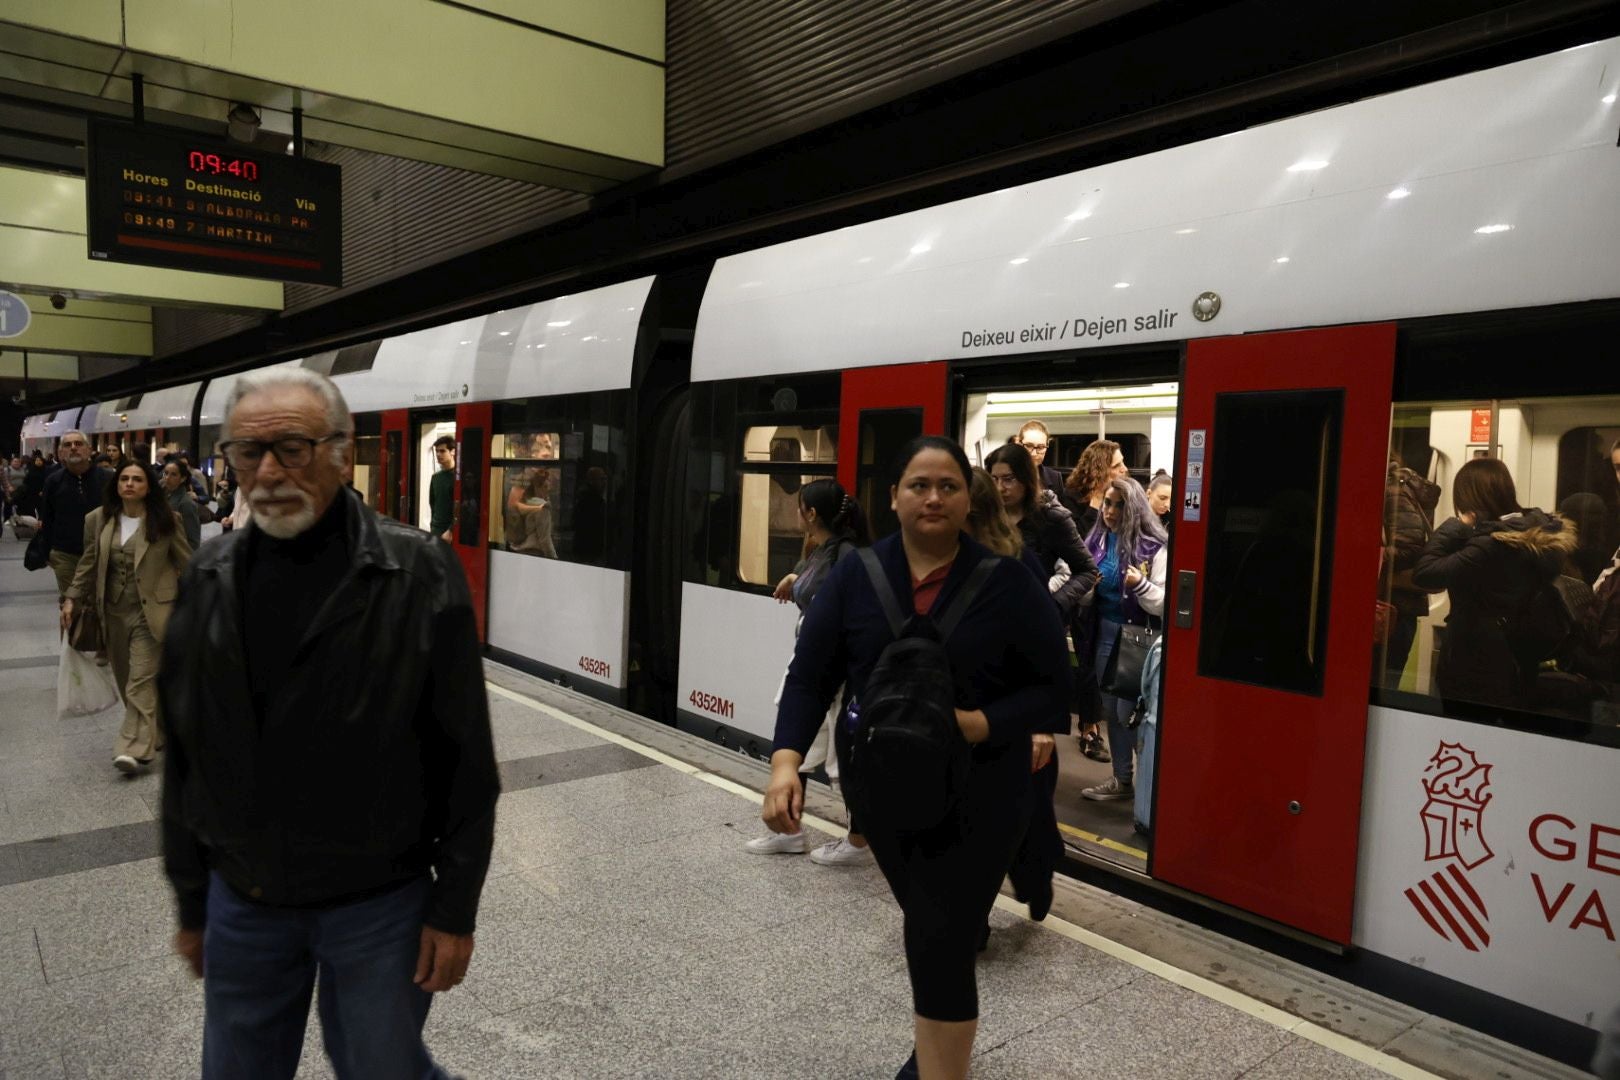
69,494
442,488
325,821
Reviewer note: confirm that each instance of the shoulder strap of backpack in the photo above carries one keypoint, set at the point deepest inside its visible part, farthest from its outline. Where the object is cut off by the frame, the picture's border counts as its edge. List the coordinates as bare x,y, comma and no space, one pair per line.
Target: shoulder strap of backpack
885,592
970,588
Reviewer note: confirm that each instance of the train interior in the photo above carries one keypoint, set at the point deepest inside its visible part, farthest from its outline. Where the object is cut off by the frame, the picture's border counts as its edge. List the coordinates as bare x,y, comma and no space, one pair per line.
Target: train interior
1141,417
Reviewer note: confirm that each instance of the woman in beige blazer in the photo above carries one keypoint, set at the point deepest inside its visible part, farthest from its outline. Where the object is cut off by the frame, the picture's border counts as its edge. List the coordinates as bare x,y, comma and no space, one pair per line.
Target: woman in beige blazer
134,553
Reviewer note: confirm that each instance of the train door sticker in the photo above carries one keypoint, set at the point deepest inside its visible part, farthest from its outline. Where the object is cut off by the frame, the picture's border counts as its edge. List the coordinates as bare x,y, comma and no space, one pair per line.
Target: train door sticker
1457,784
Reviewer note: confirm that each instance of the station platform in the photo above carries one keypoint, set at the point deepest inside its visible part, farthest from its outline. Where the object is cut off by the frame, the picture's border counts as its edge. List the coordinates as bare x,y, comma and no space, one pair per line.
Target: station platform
625,931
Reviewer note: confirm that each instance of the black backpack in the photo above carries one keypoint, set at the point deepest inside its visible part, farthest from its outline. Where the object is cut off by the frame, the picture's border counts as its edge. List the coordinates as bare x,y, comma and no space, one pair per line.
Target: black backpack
1550,620
908,755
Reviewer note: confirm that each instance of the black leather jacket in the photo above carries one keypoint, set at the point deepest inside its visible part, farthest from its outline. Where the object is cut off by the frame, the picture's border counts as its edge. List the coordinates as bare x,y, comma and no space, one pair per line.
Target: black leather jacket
373,763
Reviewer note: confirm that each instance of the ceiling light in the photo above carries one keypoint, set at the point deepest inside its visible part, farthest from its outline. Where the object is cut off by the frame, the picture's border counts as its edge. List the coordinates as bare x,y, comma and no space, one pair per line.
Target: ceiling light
1078,215
866,259
1185,232
1282,258
1308,165
1487,230
1122,284
560,323
924,246
1020,261
290,146
1398,193
466,343
505,333
1608,99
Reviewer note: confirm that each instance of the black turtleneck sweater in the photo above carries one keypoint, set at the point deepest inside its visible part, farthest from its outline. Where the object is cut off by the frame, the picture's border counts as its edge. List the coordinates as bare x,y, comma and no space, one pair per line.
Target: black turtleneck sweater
284,586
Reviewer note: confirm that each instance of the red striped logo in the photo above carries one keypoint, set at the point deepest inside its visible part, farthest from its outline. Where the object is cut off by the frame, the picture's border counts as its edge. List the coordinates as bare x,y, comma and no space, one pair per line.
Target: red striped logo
1452,908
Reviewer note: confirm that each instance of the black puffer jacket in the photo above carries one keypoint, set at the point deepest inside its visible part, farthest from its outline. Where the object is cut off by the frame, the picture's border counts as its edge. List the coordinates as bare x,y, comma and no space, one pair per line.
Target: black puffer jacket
374,761
1490,570
1050,533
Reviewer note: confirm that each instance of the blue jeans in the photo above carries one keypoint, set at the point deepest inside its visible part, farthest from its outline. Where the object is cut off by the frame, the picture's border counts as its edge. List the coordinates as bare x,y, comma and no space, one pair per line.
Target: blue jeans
261,963
1121,738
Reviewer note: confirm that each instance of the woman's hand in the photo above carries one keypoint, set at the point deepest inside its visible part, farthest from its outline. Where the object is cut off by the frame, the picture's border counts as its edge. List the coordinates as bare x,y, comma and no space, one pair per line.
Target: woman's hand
974,724
67,614
1042,747
784,589
784,795
1133,577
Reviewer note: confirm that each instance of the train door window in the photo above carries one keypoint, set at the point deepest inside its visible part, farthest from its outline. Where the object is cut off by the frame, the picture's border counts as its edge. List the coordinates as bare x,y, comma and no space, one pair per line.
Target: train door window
368,458
427,468
882,434
1269,552
556,466
777,461
395,452
1499,592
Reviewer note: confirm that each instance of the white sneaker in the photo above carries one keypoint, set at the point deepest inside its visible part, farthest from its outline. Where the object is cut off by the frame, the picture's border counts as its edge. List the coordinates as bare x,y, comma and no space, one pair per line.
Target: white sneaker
840,853
777,844
125,764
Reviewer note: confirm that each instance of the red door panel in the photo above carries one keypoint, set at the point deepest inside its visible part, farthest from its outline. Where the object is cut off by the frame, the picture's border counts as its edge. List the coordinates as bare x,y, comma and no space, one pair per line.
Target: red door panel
472,489
1270,612
394,474
880,410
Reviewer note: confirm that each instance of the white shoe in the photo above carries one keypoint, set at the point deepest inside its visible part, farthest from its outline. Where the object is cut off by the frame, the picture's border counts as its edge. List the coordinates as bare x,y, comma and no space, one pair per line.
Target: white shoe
777,844
126,764
840,853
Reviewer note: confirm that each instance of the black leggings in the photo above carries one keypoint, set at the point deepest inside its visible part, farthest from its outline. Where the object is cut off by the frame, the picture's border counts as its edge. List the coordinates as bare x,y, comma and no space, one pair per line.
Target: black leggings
946,878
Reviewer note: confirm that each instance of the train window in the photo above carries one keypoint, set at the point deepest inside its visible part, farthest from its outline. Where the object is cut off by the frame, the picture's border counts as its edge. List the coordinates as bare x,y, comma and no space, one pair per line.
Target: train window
883,433
787,443
777,460
556,465
367,457
1499,591
1270,553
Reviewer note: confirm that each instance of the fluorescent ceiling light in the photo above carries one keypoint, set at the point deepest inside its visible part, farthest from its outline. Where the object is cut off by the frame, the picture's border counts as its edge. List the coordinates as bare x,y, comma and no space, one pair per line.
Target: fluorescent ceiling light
1308,165
1398,193
1122,284
1487,230
560,323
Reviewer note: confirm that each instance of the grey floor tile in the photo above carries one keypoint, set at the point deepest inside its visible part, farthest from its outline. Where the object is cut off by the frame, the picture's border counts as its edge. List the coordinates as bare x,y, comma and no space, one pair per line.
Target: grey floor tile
1303,1058
90,896
55,813
46,1068
73,852
20,970
564,766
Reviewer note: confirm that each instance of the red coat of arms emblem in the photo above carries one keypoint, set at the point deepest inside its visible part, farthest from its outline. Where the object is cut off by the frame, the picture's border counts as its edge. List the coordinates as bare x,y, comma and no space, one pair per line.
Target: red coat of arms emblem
1456,783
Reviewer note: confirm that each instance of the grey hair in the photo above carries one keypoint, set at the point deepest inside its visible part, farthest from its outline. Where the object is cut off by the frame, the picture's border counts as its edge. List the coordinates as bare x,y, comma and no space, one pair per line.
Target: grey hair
1137,521
75,431
337,410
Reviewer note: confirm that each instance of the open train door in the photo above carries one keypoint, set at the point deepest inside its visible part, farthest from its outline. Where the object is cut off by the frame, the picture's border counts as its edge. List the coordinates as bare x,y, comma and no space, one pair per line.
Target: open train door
472,487
1270,607
394,472
880,410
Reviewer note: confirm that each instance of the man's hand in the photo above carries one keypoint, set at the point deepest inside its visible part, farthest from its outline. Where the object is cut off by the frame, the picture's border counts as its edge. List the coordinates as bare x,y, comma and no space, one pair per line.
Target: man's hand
67,614
442,963
189,944
1042,747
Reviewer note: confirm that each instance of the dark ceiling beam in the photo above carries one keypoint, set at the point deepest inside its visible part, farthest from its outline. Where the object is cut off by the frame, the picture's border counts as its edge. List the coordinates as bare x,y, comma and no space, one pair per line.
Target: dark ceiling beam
1166,75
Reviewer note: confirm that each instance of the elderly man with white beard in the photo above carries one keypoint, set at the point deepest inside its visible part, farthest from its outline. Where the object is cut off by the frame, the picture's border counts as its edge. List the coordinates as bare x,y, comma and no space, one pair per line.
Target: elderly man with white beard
330,783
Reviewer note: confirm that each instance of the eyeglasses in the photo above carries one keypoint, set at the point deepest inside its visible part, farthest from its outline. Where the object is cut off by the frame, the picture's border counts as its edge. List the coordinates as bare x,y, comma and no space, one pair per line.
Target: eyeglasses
293,451
1034,446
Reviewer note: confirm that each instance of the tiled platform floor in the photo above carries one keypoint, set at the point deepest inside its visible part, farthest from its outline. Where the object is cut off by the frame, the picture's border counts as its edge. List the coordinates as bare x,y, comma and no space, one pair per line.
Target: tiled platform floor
624,932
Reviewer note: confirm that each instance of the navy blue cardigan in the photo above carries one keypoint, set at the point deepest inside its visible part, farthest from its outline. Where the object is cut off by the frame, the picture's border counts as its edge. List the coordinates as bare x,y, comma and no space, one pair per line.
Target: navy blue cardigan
1008,652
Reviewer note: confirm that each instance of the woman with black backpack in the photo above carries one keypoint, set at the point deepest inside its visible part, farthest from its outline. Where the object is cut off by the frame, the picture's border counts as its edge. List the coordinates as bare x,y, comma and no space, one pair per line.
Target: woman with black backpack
944,799
833,527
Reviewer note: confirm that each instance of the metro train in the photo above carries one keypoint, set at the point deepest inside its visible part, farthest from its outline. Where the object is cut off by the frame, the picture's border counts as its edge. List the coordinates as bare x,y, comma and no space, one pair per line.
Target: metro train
1270,315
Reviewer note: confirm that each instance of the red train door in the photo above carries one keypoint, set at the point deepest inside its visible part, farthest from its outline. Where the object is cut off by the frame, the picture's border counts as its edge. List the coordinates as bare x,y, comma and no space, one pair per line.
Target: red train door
880,410
472,488
396,464
1270,610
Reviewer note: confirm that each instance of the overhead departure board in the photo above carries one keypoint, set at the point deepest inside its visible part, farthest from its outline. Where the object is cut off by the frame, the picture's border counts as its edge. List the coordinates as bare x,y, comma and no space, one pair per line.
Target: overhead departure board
158,197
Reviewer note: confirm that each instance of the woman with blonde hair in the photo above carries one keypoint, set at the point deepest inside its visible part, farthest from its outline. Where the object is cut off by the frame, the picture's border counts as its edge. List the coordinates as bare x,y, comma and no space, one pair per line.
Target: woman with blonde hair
134,554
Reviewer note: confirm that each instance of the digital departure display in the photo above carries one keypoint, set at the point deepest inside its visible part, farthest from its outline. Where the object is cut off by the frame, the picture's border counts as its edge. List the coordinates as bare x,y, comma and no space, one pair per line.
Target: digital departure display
163,198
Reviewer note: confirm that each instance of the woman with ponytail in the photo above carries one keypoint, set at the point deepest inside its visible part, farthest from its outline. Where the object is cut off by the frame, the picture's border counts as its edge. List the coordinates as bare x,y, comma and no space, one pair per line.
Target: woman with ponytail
833,526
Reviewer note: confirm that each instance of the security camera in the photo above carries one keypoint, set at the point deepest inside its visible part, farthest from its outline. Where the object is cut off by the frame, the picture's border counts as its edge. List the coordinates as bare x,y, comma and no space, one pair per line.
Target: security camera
58,301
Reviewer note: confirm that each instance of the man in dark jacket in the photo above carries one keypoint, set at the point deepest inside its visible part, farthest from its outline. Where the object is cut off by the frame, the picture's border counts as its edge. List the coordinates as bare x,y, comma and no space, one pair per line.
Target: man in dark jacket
330,783
1409,502
70,493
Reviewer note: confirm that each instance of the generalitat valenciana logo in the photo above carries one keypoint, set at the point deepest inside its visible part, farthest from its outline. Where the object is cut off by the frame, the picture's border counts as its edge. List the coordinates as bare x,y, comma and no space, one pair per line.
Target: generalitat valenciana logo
1457,784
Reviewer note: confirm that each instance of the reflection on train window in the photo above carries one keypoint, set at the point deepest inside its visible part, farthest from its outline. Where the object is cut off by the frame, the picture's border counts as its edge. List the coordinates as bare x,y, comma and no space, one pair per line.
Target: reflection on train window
555,469
1269,559
770,536
367,458
1499,592
818,444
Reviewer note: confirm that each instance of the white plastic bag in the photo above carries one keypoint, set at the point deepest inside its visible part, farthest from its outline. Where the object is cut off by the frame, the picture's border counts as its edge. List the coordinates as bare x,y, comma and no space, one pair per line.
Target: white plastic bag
83,688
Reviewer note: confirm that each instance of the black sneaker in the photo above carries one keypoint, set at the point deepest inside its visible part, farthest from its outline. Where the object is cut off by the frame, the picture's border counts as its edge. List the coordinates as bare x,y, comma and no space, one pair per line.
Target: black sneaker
908,1071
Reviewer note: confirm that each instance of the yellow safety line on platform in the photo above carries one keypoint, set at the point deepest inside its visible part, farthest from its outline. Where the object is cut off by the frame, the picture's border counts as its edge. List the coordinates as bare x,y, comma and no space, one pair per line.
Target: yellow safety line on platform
1103,841
1236,999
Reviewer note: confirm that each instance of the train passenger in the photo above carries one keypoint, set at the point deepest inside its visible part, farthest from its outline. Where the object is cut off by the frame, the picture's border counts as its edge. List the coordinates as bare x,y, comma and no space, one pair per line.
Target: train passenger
833,526
1594,540
66,496
442,488
1009,669
1490,559
180,499
530,520
1045,526
1035,438
1158,493
1129,547
1409,502
989,525
1099,462
325,820
129,571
